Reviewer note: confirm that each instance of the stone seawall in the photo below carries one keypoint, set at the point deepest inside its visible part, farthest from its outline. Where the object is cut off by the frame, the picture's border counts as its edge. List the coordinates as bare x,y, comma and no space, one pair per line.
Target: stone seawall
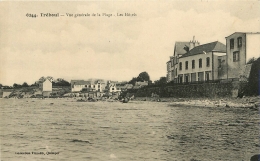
213,90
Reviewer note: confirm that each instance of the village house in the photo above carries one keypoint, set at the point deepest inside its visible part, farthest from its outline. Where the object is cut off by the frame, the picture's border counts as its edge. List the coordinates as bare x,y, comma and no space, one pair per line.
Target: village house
202,63
4,93
45,84
140,84
79,85
115,86
241,48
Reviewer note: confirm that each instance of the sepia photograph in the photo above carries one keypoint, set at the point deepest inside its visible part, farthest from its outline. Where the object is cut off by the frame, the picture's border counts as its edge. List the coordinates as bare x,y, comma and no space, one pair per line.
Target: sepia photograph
130,80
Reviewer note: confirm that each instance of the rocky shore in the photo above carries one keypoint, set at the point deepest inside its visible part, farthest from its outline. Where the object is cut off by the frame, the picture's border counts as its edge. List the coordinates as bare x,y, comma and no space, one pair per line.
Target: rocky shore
245,102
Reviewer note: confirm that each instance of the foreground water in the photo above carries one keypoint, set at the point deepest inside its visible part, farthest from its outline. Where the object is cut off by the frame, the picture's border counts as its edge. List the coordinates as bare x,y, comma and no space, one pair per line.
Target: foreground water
125,132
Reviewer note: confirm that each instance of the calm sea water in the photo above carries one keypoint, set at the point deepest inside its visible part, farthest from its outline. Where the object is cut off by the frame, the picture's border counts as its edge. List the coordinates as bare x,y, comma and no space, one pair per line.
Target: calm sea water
103,131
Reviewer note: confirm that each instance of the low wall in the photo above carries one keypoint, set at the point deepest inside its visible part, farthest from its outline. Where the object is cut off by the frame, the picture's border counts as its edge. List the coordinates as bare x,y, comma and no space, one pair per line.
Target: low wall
228,89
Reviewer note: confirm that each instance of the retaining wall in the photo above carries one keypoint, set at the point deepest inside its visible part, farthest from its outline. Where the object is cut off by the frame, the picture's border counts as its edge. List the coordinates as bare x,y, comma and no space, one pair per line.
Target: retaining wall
228,89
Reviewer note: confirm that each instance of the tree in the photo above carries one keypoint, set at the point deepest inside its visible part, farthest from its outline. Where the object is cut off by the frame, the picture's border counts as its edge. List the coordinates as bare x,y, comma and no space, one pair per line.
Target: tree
61,83
161,81
17,85
144,76
134,79
25,84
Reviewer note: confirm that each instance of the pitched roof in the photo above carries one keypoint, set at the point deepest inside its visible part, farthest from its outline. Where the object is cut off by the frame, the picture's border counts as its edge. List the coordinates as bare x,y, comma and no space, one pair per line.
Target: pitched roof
243,33
213,46
42,79
80,82
179,47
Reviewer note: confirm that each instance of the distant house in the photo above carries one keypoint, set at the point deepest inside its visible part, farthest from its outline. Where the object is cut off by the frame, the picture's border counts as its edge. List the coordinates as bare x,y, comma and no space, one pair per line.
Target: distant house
144,83
115,86
45,84
5,92
100,85
241,48
123,87
79,85
140,84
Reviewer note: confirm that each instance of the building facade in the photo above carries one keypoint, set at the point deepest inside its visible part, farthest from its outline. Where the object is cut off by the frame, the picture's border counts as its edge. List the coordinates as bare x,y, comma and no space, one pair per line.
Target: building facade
202,63
241,48
45,84
79,85
180,48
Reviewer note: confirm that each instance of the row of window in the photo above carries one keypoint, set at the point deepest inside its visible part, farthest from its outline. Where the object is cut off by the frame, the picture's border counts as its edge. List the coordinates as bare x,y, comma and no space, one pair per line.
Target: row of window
193,64
193,77
239,43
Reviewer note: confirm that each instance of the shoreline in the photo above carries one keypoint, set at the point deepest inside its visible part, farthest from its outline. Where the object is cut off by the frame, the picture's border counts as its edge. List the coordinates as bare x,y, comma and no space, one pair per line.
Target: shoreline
245,102
252,102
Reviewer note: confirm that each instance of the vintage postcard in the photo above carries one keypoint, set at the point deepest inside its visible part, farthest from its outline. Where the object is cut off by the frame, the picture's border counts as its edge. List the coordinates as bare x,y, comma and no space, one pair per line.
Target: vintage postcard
129,80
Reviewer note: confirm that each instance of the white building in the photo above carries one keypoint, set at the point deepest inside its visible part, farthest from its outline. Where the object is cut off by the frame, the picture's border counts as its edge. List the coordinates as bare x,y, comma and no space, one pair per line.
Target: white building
45,84
202,63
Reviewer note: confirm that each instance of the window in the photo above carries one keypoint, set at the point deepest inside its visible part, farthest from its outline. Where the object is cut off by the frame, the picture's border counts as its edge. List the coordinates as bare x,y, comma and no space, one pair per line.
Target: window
176,72
180,78
239,42
186,78
231,43
193,64
186,65
207,76
235,56
219,63
208,61
200,63
180,66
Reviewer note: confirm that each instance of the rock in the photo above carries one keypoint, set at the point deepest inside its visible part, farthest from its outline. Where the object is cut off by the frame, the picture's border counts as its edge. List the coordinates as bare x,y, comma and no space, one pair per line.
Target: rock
255,157
227,106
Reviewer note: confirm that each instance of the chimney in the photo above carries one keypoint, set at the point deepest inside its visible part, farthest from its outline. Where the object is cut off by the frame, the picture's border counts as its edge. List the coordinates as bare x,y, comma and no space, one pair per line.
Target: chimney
196,43
191,45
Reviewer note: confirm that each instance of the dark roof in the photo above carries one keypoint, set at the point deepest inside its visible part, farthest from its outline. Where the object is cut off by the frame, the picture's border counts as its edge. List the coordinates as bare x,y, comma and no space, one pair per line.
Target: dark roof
179,47
80,82
213,46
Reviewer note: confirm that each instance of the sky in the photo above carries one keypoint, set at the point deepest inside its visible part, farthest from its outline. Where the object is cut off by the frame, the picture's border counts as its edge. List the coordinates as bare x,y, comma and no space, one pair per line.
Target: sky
111,48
